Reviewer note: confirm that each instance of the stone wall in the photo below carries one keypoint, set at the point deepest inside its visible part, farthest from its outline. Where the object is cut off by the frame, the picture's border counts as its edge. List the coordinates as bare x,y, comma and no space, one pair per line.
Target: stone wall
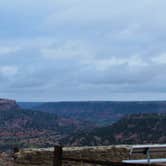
44,157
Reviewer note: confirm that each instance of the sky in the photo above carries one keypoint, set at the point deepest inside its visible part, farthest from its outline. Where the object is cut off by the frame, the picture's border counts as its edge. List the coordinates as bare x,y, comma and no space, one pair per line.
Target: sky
61,50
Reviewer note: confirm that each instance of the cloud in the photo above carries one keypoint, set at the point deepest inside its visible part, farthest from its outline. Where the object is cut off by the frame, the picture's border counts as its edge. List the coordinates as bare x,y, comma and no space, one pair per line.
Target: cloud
8,50
82,49
160,59
7,75
67,50
8,70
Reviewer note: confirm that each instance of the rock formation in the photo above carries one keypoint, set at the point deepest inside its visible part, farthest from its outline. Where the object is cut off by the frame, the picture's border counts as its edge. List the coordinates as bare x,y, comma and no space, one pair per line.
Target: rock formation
6,104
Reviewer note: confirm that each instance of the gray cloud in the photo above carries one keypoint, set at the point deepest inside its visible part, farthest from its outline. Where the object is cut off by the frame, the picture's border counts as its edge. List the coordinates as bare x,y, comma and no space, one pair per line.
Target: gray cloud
83,50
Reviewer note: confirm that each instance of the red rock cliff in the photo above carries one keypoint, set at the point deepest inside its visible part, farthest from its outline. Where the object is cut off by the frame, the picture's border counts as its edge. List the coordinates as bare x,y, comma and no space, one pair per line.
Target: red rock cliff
6,104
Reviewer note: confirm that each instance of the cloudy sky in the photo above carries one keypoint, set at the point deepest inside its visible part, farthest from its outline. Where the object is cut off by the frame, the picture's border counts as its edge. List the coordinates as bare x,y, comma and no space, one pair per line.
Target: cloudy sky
54,50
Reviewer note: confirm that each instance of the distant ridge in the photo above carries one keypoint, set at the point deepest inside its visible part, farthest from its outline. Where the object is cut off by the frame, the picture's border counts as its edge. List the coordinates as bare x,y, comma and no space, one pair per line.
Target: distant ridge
101,113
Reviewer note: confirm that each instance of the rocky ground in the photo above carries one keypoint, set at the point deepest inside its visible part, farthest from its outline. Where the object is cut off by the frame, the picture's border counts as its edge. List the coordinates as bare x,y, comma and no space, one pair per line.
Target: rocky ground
6,160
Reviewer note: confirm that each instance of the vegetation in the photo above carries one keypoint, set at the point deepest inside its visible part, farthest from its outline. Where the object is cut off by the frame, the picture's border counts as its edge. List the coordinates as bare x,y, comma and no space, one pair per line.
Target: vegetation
26,128
132,129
